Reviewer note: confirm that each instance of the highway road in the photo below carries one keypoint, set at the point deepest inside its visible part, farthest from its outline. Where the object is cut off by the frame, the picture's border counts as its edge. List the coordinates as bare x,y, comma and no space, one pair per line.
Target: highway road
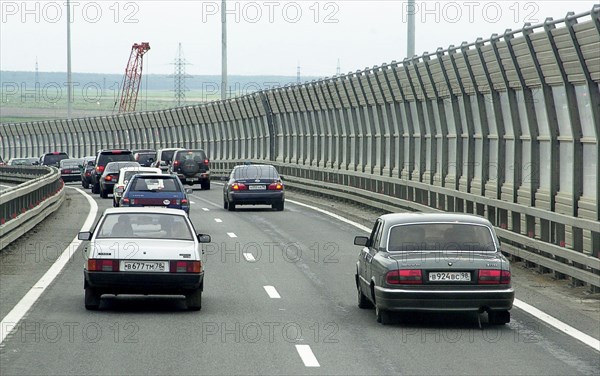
279,299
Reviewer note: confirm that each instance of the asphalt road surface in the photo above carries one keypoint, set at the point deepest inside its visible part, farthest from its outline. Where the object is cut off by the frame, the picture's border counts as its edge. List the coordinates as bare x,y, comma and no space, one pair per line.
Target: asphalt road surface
279,298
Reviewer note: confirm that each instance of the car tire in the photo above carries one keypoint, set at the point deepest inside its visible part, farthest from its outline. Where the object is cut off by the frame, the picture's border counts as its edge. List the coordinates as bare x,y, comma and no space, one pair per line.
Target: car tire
363,301
193,300
498,317
231,206
103,193
278,205
96,188
225,204
383,316
205,185
92,299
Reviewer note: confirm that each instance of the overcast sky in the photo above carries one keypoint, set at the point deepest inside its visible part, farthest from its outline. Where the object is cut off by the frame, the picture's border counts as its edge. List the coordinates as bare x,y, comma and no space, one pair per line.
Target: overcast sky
265,37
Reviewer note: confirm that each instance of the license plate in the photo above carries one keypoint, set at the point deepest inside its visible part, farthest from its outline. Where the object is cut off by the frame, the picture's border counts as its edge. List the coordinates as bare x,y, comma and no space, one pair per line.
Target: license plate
257,187
449,276
144,266
193,179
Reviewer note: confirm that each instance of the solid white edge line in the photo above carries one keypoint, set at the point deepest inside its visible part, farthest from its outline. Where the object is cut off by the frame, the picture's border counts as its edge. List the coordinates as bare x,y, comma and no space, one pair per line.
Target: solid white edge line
249,257
552,321
307,356
231,235
272,292
12,319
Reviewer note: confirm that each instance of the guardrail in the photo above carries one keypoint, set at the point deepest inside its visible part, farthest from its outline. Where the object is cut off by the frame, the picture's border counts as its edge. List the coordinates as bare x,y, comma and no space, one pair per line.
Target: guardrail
506,127
39,194
390,195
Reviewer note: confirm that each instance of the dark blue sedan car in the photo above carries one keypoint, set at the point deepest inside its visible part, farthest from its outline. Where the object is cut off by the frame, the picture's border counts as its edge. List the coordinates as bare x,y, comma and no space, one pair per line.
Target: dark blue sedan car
156,190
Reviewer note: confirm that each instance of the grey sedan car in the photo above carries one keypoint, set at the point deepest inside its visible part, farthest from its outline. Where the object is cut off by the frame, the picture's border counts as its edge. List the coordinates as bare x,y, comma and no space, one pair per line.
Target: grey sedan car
433,262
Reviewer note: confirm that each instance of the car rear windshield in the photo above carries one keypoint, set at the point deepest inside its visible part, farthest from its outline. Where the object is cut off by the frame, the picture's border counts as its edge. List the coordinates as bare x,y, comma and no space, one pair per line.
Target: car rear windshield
167,155
70,162
115,167
155,184
145,157
255,172
440,237
129,174
197,155
149,226
52,159
107,158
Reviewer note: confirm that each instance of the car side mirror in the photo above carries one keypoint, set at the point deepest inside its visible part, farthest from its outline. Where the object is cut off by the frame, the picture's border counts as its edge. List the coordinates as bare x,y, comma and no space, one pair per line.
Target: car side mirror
202,238
163,163
361,240
86,235
119,190
189,190
223,178
150,160
281,177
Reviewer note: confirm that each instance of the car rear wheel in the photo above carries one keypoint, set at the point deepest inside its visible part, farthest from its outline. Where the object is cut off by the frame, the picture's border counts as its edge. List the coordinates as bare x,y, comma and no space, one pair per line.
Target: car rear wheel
193,300
96,188
278,206
103,193
92,299
225,204
231,206
498,317
383,316
205,185
363,301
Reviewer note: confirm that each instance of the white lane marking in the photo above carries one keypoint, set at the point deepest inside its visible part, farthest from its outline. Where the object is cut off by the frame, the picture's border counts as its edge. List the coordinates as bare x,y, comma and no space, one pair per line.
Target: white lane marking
552,321
273,294
192,202
218,220
207,202
206,209
307,356
231,235
338,217
249,257
10,321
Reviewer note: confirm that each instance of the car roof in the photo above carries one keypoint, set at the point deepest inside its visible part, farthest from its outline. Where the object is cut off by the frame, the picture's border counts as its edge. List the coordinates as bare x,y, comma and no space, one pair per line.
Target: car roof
403,218
155,176
145,210
253,165
141,168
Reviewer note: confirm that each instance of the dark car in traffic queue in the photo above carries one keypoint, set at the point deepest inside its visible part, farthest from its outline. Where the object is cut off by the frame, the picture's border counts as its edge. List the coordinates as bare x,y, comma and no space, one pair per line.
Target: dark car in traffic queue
254,185
191,166
436,262
29,161
145,158
103,158
69,169
53,159
86,169
111,175
164,157
156,190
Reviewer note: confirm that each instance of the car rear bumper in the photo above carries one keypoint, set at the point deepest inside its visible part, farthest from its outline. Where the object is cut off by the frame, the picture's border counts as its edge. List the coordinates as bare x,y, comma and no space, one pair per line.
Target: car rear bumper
143,283
204,176
70,177
256,198
444,300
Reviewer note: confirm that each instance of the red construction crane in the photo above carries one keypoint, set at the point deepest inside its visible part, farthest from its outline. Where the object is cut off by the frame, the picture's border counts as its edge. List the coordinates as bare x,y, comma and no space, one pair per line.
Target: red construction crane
133,77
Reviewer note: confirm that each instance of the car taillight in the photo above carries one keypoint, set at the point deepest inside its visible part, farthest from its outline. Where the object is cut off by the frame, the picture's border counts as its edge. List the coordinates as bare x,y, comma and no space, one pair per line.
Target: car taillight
87,173
125,201
275,186
493,277
239,187
206,162
176,163
185,267
184,202
108,177
100,169
116,152
100,265
404,276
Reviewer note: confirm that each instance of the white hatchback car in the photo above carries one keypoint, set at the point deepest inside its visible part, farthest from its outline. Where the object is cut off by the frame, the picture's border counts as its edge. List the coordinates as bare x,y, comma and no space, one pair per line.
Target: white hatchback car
144,251
125,175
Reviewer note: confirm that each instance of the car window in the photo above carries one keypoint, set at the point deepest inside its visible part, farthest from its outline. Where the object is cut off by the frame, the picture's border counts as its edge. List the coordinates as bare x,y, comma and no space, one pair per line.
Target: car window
374,232
167,155
149,226
197,155
105,159
129,174
154,184
440,236
51,159
255,172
